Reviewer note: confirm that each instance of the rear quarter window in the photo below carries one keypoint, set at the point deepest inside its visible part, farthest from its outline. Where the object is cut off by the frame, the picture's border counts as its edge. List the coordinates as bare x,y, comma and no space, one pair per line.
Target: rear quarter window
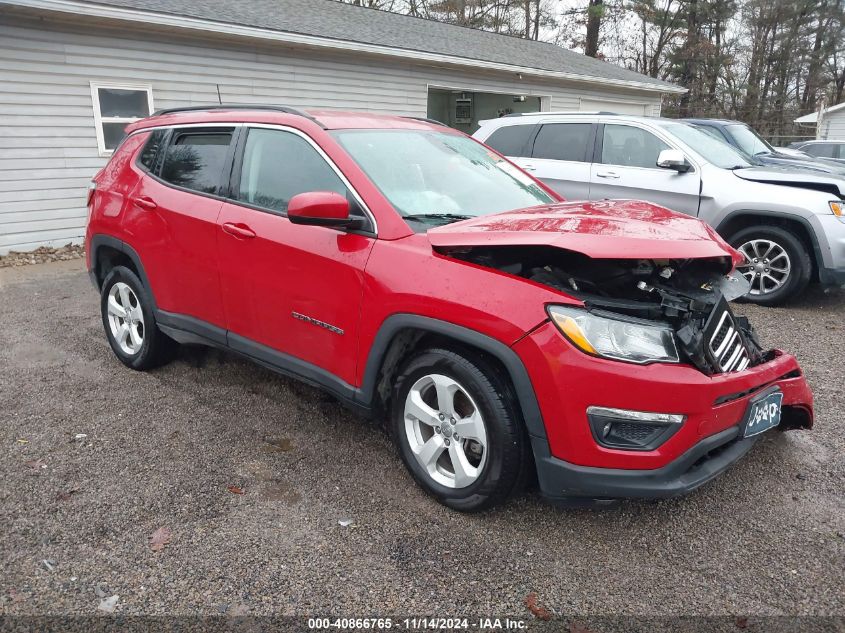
511,140
152,150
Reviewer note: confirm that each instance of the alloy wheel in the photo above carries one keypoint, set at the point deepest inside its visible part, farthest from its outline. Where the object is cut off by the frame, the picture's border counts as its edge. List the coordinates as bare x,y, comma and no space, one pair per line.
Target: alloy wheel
445,431
126,319
767,265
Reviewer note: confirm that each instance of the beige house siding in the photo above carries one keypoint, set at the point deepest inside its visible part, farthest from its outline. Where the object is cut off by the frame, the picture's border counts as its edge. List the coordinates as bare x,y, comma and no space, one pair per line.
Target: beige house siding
48,145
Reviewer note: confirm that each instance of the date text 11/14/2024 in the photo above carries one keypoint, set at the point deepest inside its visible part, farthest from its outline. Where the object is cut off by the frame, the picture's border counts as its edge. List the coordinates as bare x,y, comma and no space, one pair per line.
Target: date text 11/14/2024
418,624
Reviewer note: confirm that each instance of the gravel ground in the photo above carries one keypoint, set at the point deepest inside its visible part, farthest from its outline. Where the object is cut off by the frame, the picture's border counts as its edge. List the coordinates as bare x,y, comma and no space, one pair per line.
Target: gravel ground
97,458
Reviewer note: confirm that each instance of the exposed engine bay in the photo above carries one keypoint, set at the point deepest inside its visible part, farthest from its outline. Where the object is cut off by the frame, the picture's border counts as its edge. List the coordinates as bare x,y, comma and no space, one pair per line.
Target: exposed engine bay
690,294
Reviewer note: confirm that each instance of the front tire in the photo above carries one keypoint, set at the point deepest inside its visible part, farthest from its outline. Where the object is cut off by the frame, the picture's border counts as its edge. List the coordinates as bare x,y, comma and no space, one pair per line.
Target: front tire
457,427
778,264
130,324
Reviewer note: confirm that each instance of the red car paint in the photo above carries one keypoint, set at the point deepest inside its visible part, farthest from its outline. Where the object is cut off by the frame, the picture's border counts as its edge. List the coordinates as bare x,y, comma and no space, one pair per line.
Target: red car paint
325,204
606,229
246,271
567,382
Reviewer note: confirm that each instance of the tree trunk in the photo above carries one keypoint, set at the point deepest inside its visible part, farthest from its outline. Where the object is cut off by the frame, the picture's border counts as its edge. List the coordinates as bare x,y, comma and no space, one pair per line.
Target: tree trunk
690,52
716,66
594,15
528,19
808,100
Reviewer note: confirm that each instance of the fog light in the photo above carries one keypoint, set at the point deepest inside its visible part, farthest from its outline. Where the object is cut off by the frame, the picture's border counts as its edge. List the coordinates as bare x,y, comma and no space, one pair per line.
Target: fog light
632,430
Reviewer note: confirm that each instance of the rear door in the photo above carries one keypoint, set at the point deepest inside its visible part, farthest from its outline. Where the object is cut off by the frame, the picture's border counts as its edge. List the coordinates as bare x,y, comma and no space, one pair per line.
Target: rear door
560,155
626,167
292,292
173,222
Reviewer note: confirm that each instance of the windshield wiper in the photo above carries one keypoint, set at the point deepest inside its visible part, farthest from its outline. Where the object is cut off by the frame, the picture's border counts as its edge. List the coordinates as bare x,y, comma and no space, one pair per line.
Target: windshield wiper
454,217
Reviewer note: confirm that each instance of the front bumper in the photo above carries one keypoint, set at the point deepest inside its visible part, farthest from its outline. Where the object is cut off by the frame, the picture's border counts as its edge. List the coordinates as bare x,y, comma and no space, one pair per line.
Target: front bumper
704,461
830,255
571,464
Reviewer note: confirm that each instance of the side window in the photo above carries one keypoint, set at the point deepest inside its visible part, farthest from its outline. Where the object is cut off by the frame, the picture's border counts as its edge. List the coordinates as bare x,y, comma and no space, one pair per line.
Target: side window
511,140
278,165
630,147
822,150
152,150
195,159
563,141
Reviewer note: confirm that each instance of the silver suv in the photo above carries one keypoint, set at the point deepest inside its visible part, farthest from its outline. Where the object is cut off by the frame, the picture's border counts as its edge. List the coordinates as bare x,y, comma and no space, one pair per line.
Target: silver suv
789,224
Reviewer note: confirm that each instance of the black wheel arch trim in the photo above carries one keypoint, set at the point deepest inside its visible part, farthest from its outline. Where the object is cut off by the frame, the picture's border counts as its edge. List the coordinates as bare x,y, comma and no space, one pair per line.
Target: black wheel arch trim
814,241
395,323
99,240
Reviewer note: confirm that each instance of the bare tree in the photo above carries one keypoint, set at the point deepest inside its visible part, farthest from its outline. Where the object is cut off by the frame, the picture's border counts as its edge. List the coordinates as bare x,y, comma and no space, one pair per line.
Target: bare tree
764,62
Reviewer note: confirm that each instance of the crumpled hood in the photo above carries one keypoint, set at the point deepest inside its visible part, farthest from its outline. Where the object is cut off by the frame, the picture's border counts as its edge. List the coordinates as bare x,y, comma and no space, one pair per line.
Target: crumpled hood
790,177
609,229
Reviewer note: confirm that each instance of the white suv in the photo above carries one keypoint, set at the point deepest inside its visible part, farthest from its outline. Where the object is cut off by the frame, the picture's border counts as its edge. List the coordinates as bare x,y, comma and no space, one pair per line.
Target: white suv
789,224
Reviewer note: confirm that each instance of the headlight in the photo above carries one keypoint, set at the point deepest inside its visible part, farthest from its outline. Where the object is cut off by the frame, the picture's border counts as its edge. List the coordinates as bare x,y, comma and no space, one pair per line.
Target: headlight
838,208
615,336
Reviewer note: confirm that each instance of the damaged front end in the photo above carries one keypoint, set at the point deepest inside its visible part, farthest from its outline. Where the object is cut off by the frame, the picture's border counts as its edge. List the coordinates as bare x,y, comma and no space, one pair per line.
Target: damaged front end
690,295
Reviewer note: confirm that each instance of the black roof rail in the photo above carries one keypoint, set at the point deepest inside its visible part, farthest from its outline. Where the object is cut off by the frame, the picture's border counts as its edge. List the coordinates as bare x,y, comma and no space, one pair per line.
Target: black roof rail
599,112
426,120
238,106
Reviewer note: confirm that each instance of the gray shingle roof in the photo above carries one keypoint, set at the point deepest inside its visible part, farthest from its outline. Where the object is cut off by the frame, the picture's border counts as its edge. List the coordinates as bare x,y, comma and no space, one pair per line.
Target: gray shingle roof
345,22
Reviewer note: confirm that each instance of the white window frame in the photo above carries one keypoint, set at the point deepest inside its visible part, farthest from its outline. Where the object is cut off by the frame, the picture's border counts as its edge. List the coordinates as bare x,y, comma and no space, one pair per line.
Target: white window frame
99,119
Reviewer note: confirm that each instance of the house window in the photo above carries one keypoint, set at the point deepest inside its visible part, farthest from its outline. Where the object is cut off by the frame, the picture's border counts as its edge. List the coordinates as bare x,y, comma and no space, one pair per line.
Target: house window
115,106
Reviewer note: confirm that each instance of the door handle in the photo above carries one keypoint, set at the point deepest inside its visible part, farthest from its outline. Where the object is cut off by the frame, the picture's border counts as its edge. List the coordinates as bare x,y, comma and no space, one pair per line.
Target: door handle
145,202
607,174
241,231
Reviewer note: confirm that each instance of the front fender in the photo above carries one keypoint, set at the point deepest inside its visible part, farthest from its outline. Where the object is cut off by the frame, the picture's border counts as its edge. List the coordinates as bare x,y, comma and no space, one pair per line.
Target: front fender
397,323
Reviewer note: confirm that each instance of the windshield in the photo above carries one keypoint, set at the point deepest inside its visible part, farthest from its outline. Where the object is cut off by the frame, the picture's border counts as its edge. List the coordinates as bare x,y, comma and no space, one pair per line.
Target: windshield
748,140
437,177
714,151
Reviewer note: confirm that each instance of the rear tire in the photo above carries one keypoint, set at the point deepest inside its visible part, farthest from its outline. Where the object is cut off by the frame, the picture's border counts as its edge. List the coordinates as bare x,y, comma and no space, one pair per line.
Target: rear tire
483,457
778,264
129,322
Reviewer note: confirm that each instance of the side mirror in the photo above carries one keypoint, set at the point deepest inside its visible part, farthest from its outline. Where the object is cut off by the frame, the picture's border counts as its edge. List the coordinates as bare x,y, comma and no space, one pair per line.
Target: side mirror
320,208
673,159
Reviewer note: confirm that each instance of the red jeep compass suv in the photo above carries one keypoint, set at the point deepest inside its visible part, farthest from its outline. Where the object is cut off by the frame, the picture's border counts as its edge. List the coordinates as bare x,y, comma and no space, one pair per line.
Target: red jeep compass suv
420,277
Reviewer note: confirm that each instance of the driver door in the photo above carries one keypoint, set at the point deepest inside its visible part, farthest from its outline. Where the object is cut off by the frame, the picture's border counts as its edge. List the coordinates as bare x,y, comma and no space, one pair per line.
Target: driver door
626,167
291,293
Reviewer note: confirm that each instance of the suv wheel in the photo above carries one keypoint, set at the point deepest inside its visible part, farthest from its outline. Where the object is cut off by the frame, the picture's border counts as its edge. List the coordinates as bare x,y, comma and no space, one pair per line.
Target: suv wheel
778,265
458,431
129,322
